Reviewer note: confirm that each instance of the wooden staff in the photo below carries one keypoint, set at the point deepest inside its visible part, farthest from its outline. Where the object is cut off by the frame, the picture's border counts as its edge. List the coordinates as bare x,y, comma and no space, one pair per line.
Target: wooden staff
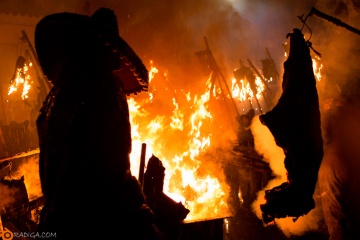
336,21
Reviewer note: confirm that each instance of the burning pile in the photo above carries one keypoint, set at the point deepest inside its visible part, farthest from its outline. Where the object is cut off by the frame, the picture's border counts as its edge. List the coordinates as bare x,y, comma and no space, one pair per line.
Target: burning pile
166,210
176,127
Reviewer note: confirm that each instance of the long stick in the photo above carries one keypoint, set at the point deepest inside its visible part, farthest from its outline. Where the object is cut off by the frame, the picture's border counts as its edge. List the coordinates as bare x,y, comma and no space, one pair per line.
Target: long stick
260,76
20,155
142,164
263,80
221,75
270,57
336,21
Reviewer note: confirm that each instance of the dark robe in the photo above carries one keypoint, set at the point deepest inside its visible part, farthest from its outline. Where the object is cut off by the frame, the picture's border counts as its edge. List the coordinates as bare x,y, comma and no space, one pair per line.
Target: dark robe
295,122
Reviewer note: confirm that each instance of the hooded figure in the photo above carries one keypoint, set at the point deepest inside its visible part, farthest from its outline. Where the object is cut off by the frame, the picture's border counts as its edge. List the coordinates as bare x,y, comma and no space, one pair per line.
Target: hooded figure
295,124
85,134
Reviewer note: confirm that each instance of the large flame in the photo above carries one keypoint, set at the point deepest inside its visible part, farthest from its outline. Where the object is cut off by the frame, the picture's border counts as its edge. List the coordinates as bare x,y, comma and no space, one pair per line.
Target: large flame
176,127
175,124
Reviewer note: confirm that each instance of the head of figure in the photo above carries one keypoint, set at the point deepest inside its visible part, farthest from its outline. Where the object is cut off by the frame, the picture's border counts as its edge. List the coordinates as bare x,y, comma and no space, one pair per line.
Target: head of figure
71,44
248,117
105,29
247,121
61,43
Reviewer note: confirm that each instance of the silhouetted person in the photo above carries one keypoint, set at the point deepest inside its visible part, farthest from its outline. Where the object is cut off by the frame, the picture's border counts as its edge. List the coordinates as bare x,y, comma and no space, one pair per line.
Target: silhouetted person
339,171
243,178
244,136
84,133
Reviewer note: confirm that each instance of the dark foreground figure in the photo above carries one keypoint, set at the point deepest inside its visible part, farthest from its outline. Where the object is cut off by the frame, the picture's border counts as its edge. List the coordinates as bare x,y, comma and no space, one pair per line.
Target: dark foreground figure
339,171
84,132
295,124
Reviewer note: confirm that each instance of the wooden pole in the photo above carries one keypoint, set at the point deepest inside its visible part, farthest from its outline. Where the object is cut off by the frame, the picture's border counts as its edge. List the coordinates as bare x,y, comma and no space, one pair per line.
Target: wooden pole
142,164
222,77
336,21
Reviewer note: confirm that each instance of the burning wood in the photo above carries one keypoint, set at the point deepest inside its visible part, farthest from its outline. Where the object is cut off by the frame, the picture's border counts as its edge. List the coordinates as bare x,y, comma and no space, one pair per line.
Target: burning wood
23,210
16,206
166,210
247,73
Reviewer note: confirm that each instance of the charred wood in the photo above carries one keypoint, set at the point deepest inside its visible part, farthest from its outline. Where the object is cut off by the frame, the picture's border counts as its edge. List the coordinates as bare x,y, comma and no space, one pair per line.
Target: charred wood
167,212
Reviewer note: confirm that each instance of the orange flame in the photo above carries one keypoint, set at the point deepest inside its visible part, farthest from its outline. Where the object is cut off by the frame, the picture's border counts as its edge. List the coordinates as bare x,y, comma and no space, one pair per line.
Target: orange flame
243,91
174,125
22,79
317,67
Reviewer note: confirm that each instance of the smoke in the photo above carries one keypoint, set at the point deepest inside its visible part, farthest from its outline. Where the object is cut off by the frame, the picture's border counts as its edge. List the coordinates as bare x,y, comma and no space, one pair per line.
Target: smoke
265,145
172,31
274,155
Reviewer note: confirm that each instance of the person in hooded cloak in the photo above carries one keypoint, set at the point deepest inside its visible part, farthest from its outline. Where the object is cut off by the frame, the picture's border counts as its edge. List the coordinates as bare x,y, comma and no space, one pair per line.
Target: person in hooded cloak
85,134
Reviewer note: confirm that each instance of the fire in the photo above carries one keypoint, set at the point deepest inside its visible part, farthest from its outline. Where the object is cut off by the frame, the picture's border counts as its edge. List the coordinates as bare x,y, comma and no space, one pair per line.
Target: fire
259,87
317,67
175,127
152,71
178,117
243,91
21,79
